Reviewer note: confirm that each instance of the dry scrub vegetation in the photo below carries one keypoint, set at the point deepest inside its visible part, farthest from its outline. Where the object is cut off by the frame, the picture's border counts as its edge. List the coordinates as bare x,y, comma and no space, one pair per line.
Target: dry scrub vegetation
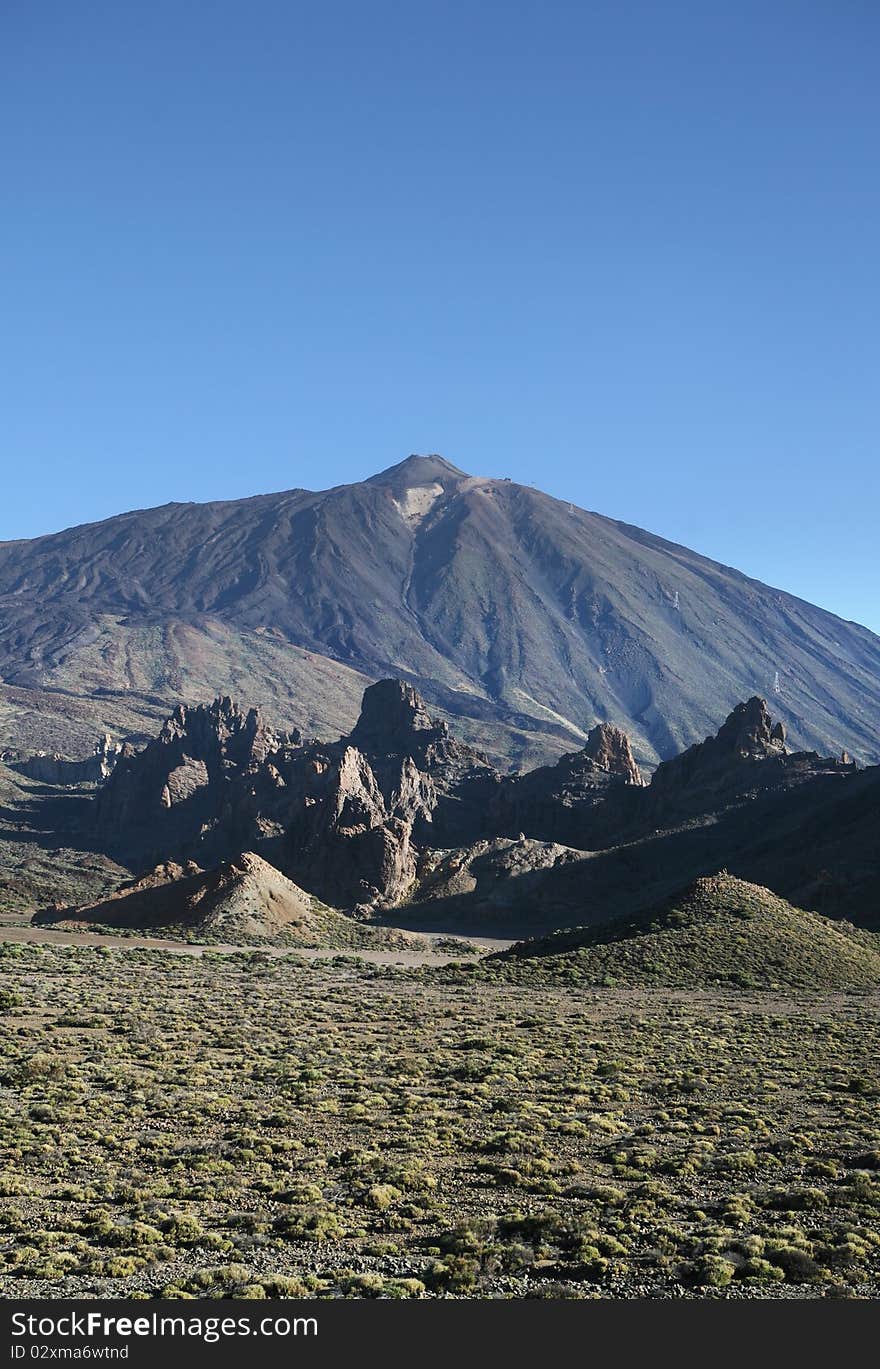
239,1126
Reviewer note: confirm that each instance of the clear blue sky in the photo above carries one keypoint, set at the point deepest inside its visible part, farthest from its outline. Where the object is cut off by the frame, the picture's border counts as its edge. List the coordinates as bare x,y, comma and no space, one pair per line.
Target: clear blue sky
625,251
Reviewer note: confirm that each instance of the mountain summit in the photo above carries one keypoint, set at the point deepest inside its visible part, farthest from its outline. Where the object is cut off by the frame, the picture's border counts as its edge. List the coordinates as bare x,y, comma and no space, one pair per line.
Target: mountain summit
524,619
419,470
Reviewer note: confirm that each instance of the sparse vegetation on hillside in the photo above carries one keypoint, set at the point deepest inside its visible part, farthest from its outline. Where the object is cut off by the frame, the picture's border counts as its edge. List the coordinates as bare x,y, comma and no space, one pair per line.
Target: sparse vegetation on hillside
40,855
720,931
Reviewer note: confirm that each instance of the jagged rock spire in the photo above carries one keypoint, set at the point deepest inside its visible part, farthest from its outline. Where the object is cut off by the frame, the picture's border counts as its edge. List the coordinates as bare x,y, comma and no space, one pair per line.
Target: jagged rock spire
610,748
392,713
747,734
749,731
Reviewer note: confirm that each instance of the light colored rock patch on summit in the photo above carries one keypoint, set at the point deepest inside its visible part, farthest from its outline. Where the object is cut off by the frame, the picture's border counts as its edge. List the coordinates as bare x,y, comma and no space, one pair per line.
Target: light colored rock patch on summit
418,501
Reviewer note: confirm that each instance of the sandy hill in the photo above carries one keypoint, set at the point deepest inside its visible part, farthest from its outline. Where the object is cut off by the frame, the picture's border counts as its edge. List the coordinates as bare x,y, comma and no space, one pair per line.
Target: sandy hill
245,901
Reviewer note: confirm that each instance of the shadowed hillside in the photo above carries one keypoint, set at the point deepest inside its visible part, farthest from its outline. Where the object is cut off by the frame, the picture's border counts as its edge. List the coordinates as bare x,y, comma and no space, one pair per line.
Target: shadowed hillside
719,931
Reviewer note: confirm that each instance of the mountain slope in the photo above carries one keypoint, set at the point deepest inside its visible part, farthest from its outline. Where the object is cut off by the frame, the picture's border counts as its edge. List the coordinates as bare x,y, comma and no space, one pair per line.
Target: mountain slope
720,930
523,618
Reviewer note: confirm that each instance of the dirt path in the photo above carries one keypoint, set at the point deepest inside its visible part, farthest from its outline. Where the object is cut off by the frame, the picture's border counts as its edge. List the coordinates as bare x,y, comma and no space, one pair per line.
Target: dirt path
49,936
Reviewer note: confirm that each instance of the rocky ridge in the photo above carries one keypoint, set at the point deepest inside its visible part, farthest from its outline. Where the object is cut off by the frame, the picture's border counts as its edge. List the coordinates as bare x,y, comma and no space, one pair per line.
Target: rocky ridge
399,815
54,768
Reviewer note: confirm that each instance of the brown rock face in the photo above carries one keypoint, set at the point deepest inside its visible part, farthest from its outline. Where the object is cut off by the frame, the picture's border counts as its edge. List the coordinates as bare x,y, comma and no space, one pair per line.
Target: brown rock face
748,753
350,820
395,724
56,769
340,818
184,781
345,819
501,881
221,732
563,802
242,900
159,799
358,810
351,840
610,749
749,732
354,821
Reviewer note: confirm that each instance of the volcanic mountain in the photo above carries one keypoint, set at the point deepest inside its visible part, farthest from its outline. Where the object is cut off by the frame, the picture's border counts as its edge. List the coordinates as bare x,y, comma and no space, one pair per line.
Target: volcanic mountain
524,619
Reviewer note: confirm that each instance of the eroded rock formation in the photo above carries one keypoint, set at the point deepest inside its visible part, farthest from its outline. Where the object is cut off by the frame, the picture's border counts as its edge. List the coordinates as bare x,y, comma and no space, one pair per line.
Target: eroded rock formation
398,811
56,769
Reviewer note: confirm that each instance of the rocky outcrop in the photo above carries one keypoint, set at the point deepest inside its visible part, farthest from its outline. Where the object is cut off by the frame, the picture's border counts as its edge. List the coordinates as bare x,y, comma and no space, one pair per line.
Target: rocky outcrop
351,821
747,754
343,818
499,885
394,719
748,734
394,725
561,802
56,769
221,733
350,839
362,809
195,778
609,748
